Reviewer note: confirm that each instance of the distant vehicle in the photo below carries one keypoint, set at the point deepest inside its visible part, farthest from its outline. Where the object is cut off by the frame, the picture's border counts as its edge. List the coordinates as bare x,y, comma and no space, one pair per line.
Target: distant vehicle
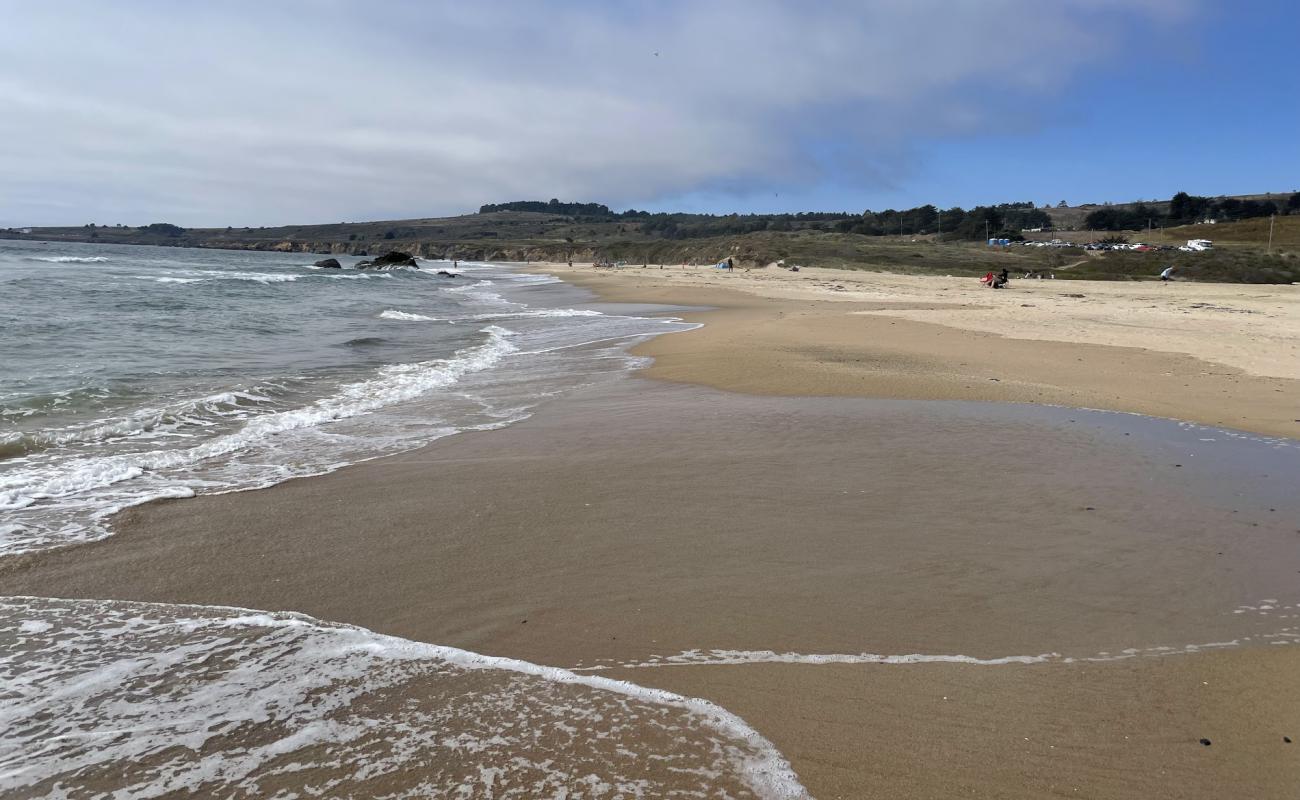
1197,246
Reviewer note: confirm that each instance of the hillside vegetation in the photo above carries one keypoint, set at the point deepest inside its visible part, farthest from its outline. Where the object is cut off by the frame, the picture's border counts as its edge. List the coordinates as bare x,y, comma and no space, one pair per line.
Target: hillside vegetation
591,232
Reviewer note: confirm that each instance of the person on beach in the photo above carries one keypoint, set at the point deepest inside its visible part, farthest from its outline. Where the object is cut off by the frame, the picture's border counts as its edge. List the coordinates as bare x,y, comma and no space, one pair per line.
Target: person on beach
730,265
1167,275
987,280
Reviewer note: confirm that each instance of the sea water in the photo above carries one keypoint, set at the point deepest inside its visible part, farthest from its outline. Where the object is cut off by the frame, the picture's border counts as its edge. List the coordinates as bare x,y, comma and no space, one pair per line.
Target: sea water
146,700
134,373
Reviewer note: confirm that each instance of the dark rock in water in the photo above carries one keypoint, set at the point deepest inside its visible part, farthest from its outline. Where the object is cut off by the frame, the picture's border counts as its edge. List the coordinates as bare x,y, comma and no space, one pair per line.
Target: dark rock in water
328,263
390,260
442,273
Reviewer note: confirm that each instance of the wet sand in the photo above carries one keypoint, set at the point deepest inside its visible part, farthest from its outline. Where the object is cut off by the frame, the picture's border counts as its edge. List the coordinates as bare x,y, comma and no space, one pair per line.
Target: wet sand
633,522
1219,354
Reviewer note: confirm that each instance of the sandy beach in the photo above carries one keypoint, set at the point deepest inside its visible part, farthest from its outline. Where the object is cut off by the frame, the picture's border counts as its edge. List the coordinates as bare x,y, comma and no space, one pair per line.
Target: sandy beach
1220,354
919,599
605,401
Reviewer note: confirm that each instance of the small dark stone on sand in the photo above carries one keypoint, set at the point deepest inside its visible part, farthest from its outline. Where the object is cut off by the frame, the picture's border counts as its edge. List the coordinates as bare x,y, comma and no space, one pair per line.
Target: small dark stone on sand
1205,742
1286,739
1089,508
1177,465
523,622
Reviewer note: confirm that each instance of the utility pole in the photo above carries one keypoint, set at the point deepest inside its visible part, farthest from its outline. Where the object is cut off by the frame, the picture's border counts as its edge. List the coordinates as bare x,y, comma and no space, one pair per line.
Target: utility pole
986,230
940,236
1272,218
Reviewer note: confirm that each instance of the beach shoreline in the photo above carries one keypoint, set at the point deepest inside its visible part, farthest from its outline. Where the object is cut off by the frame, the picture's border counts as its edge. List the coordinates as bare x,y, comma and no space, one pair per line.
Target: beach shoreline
660,522
1216,354
704,505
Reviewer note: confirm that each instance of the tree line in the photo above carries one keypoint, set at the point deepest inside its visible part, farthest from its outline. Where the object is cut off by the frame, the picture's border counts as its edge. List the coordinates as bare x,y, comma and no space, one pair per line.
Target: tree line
553,206
1187,209
1005,220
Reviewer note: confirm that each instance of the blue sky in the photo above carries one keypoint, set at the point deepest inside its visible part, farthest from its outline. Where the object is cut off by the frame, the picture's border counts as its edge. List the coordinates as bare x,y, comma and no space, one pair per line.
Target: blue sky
244,113
1209,106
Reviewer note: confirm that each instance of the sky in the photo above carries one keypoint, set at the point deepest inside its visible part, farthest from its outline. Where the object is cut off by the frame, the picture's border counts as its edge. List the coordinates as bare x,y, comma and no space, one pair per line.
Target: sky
313,111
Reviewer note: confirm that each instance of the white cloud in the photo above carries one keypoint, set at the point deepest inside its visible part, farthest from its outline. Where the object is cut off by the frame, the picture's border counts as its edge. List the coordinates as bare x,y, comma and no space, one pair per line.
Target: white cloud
260,113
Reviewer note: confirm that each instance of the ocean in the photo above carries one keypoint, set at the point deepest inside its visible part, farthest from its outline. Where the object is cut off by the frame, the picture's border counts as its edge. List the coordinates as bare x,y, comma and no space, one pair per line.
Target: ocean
135,373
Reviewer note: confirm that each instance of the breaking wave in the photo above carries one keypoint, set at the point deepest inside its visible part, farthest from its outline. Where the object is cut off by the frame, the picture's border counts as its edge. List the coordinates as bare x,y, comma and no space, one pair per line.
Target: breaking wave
153,700
405,317
84,480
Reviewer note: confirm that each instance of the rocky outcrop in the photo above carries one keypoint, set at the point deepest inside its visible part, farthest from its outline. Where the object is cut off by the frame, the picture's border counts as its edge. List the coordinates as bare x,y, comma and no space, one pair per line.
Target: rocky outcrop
391,260
328,263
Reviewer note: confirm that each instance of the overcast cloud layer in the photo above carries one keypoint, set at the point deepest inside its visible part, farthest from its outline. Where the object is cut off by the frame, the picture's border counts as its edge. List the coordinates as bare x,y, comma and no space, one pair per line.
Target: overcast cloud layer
267,113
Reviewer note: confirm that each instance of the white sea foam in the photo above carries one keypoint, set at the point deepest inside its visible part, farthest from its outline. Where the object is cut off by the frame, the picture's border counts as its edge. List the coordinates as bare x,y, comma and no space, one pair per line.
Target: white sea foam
148,699
405,316
169,418
69,259
535,313
476,286
333,275
78,479
96,453
718,657
209,275
731,657
393,384
541,312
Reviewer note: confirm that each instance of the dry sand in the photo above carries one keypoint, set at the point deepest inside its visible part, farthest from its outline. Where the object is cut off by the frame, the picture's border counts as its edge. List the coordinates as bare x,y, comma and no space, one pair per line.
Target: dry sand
640,520
1220,354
